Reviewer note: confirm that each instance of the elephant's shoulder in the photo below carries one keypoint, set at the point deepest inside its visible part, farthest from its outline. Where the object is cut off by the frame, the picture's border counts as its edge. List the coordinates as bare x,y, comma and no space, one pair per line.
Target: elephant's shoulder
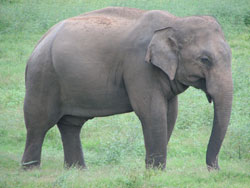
151,21
157,16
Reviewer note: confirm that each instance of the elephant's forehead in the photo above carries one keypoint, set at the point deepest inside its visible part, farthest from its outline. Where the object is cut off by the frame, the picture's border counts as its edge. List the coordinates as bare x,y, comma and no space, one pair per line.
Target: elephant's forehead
196,22
196,28
212,45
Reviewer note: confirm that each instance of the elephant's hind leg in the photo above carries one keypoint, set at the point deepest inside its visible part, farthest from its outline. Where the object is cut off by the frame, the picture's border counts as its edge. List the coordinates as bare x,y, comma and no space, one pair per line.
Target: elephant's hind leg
70,128
32,153
38,121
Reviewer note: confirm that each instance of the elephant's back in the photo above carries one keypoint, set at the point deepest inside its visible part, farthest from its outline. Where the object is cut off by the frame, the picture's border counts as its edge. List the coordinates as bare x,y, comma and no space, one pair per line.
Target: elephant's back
97,23
123,12
100,23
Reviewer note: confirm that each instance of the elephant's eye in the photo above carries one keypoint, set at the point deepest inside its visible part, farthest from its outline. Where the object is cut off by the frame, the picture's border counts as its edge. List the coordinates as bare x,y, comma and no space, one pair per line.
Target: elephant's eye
205,60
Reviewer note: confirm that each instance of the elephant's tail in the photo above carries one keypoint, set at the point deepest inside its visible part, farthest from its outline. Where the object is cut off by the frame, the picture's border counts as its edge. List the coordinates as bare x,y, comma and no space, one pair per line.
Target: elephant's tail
26,70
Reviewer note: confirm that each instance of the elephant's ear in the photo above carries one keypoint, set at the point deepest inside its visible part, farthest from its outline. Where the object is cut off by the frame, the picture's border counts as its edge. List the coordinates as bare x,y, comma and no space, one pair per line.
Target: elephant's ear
162,51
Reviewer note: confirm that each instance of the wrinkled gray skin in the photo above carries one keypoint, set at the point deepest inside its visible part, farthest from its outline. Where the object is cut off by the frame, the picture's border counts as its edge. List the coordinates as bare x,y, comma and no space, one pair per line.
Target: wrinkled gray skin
118,60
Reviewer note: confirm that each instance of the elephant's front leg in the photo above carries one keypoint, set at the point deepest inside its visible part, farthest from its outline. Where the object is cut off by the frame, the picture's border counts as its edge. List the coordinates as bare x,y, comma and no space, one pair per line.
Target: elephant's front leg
157,130
155,137
153,117
172,115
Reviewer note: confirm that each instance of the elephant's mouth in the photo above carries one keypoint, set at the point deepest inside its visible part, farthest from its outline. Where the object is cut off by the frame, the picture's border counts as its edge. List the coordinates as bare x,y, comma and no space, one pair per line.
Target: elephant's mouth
209,98
201,84
204,88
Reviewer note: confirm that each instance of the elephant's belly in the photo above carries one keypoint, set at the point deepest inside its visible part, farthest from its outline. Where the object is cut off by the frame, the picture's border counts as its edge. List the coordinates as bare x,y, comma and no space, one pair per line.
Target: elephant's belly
92,89
90,102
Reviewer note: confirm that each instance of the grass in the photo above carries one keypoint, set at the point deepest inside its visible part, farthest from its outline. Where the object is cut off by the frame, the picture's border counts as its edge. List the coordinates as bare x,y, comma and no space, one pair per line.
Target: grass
113,146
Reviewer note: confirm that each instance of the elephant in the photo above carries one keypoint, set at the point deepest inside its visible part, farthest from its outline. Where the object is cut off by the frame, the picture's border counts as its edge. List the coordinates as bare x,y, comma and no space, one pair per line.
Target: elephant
117,60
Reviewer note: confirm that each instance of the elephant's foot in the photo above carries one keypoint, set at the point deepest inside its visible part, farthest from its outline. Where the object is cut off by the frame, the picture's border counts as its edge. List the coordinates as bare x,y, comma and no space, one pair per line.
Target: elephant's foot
30,165
212,166
156,162
75,165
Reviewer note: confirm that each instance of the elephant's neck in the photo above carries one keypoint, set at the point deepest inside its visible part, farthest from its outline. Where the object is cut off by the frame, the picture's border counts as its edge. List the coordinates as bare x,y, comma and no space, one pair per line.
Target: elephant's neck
177,87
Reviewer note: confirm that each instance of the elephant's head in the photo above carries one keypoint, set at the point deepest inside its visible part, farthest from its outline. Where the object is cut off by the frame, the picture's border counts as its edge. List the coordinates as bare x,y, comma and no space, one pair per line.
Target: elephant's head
193,52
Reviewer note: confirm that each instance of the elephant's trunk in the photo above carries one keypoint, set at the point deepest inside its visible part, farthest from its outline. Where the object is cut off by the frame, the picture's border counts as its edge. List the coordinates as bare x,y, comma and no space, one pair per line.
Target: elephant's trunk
220,88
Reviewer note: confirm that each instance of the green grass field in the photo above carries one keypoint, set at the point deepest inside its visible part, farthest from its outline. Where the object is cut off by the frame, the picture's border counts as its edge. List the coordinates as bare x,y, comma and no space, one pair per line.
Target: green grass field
113,146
